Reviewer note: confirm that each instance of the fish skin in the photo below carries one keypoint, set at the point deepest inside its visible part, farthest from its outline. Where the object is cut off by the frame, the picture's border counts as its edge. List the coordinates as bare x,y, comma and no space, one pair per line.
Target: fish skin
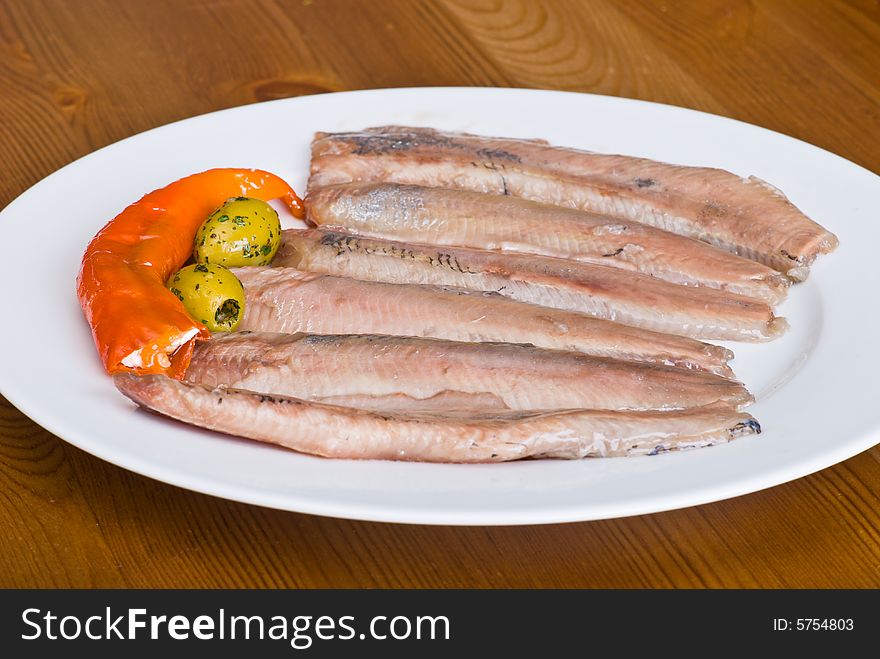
462,218
630,298
746,216
281,299
388,372
340,432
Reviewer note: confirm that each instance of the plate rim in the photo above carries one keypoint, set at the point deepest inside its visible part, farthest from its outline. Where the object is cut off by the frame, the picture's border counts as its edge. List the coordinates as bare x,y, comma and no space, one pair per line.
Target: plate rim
451,516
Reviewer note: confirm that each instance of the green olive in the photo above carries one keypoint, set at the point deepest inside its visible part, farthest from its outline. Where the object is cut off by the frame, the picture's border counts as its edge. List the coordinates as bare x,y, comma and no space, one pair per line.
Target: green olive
211,294
243,231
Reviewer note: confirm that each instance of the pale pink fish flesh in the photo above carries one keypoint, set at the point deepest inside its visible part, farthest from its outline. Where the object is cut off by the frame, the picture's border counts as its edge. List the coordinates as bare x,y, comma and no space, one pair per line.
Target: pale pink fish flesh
604,292
387,372
342,432
461,218
287,300
746,216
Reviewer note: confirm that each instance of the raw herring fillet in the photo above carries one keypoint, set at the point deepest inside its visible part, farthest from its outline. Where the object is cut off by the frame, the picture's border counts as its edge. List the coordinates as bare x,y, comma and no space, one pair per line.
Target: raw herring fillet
392,372
462,218
340,432
287,300
601,291
746,216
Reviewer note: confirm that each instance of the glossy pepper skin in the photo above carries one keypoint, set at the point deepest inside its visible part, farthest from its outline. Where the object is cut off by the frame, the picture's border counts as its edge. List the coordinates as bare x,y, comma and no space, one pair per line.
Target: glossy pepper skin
121,283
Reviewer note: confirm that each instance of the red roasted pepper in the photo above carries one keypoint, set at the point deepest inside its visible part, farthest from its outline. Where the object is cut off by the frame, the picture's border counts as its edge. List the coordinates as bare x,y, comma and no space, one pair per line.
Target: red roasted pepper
137,323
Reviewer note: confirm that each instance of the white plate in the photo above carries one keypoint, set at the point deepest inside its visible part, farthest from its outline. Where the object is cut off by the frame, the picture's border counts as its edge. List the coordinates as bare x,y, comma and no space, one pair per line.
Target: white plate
816,387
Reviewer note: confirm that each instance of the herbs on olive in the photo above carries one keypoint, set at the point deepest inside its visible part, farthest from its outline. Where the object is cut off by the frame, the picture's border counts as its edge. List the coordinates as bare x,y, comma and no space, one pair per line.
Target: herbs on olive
243,231
211,294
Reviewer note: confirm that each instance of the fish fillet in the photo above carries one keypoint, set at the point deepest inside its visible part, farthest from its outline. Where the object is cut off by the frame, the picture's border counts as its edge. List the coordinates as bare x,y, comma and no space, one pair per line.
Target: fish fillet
340,432
392,372
461,218
604,292
287,300
746,216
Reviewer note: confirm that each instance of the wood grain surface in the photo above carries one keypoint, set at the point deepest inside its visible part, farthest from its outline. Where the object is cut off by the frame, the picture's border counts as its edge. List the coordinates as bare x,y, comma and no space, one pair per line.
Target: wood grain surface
79,74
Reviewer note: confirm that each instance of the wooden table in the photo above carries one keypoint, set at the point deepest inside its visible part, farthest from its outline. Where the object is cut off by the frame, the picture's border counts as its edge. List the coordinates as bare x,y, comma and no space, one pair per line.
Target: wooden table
79,74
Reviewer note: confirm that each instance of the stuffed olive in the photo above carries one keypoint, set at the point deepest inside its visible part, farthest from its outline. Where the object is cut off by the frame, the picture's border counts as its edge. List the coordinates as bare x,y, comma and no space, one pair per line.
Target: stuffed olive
243,231
211,294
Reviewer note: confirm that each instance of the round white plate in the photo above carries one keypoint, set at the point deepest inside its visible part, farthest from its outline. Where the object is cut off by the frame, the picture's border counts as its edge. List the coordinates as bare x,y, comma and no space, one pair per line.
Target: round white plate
816,386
